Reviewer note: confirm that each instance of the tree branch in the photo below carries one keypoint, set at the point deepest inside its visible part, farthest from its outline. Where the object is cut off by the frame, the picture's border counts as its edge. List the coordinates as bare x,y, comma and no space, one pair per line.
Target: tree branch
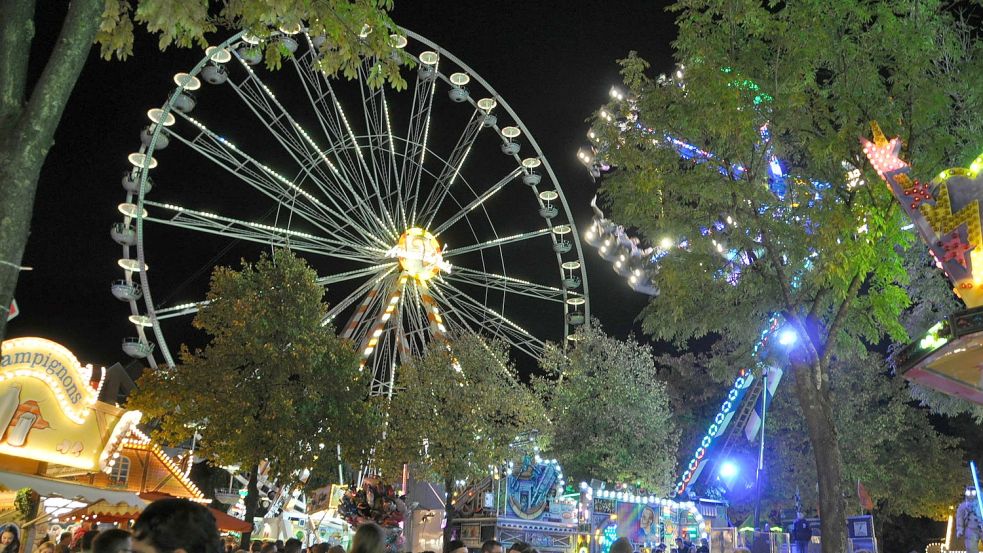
834,327
49,97
16,33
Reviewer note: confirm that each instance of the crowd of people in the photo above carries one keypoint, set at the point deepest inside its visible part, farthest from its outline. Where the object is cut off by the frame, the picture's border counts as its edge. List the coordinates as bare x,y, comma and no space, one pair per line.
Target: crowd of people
182,526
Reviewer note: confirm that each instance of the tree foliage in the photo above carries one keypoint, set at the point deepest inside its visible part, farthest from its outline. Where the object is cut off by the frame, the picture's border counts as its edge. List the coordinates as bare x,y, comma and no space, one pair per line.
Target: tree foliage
826,254
458,411
610,412
272,384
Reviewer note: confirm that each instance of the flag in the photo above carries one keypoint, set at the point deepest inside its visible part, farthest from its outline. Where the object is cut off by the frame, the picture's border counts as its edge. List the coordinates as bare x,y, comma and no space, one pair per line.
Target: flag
866,503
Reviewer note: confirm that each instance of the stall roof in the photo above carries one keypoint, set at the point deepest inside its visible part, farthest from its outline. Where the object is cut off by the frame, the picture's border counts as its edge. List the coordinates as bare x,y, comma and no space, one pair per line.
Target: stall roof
50,487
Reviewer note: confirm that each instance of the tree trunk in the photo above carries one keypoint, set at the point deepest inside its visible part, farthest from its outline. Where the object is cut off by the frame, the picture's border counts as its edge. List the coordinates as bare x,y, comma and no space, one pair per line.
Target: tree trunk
251,501
818,412
27,126
448,512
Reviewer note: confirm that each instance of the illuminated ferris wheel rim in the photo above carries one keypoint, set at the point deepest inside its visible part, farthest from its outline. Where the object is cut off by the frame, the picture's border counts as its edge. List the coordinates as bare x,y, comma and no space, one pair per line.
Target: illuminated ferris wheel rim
436,270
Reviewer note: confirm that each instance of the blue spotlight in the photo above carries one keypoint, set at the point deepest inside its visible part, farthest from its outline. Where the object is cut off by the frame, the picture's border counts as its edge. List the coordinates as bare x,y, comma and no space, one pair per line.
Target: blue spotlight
729,469
787,337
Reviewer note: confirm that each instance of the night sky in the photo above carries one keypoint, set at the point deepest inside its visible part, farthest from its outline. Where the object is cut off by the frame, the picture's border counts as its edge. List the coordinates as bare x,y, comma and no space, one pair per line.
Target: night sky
553,62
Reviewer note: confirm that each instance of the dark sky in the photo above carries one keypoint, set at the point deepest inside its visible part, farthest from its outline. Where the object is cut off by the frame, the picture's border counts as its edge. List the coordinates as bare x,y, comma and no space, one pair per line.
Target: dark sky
554,62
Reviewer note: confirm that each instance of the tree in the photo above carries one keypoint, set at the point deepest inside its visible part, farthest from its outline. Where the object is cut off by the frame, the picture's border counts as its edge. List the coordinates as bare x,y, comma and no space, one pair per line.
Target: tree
30,111
272,384
610,412
825,253
458,411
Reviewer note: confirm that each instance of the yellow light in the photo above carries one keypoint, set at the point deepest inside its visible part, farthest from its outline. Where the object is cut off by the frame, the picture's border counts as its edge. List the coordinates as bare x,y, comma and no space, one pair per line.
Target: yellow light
419,255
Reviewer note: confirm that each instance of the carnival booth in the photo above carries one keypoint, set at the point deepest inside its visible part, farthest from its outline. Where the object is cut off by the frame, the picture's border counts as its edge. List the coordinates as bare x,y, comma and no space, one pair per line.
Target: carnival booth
644,519
533,504
528,505
67,458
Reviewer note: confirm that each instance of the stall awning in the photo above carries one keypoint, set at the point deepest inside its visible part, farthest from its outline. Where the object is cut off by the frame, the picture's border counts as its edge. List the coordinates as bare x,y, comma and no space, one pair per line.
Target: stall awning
51,487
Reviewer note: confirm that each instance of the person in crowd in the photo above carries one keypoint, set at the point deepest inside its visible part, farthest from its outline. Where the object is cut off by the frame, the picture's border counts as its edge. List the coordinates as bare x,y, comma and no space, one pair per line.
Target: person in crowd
114,540
64,543
10,540
229,544
456,546
268,547
336,548
279,546
175,526
255,546
292,545
680,546
369,538
704,546
491,546
519,547
45,547
622,545
85,544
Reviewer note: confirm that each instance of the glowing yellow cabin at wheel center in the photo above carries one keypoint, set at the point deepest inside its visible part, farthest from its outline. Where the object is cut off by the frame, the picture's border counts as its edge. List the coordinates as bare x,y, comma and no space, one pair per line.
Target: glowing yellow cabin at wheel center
419,254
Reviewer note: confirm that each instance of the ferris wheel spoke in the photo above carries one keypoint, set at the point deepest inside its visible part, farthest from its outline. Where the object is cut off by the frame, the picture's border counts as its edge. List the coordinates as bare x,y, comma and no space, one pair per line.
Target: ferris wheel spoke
382,147
418,135
483,316
212,223
496,242
356,273
506,284
280,189
292,136
451,170
179,310
330,119
474,204
365,290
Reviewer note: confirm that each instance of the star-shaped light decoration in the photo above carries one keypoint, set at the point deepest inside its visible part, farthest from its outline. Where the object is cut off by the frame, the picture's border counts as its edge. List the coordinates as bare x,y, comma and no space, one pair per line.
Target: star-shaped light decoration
955,248
883,153
918,194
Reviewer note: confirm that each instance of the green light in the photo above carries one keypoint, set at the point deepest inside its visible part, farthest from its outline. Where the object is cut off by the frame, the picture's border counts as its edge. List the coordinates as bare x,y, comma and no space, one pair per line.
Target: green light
932,340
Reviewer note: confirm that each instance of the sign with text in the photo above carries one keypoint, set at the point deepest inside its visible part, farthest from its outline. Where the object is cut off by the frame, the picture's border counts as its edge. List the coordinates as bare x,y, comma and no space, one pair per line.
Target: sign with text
49,410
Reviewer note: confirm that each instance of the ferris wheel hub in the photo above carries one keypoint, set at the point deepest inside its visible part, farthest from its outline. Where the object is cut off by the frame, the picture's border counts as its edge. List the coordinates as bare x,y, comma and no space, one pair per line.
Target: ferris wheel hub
420,255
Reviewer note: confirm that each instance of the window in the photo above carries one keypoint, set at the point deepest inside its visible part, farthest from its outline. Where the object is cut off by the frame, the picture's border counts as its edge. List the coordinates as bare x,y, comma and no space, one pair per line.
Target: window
120,471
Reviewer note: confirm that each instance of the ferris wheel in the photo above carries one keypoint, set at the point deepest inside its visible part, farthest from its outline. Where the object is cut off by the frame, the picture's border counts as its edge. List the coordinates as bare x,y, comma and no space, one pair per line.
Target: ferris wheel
425,212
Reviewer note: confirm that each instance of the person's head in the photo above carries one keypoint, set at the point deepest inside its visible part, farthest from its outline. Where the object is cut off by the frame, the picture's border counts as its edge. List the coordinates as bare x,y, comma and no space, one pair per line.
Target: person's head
9,539
65,538
491,546
46,547
621,545
255,546
87,538
519,547
292,545
679,541
175,526
334,548
267,547
369,538
456,546
114,540
279,545
704,541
